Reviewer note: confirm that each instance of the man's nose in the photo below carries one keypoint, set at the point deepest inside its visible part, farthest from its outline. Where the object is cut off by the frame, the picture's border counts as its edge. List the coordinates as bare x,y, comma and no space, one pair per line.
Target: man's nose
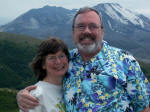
87,29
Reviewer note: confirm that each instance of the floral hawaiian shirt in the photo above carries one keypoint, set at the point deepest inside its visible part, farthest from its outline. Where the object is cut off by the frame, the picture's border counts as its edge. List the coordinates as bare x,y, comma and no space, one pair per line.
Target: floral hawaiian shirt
111,81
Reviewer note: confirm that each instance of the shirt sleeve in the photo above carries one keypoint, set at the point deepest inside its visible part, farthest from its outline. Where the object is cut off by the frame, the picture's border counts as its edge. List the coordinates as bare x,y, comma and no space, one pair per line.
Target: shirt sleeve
38,94
36,109
138,87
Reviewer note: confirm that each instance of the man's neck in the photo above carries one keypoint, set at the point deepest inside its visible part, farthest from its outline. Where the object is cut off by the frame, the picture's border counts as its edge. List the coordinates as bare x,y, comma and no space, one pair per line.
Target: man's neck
87,56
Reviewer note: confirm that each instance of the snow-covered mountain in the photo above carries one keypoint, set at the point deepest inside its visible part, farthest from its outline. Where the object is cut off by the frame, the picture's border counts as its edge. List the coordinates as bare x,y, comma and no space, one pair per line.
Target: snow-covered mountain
123,16
123,28
126,29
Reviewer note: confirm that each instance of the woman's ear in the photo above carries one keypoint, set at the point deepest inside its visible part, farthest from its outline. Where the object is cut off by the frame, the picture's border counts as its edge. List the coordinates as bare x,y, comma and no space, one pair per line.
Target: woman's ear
43,65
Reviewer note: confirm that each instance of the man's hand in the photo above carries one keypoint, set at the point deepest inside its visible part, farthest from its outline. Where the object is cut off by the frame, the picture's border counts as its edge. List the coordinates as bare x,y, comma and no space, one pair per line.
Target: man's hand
25,100
146,109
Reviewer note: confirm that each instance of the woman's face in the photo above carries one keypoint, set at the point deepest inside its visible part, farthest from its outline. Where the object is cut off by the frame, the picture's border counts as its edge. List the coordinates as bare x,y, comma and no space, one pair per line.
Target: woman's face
56,64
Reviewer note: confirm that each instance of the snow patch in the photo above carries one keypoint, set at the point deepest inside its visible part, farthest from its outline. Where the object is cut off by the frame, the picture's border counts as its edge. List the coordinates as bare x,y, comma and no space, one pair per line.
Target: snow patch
110,26
113,14
34,24
123,15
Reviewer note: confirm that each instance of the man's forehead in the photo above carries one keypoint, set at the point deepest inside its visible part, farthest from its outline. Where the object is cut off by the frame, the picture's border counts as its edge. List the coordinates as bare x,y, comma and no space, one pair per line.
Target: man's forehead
88,13
89,16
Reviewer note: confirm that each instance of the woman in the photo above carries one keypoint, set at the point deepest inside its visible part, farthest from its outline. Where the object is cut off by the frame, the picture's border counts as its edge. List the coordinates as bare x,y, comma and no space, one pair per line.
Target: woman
50,65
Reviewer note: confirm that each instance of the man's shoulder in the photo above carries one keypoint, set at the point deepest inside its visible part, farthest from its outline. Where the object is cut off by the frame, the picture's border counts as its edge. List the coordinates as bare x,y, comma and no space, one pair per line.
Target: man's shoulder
73,52
117,50
120,52
38,91
107,46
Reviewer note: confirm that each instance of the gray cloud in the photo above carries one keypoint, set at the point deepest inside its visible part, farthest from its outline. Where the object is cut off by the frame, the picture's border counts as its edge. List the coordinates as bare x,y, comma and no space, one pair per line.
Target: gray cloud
14,8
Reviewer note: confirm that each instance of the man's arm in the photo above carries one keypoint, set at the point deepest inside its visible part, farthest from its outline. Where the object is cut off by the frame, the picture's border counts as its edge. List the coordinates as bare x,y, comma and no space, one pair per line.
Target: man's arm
146,110
138,84
25,100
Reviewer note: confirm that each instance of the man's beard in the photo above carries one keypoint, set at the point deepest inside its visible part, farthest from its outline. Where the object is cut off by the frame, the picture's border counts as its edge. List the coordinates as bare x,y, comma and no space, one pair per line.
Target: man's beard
92,48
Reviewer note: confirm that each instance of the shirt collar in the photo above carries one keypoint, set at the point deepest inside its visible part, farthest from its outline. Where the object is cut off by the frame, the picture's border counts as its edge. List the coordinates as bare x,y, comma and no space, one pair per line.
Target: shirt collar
75,55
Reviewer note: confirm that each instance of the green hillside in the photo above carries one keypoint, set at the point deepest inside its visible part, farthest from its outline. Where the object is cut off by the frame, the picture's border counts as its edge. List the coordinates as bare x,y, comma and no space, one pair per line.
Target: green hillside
8,101
146,69
16,51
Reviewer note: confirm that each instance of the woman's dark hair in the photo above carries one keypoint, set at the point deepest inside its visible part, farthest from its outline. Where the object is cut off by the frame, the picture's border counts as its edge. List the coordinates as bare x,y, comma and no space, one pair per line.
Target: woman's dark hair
48,46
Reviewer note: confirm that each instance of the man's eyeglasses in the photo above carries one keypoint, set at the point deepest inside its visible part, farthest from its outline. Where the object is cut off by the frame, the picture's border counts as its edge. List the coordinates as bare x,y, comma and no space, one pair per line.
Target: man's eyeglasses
82,27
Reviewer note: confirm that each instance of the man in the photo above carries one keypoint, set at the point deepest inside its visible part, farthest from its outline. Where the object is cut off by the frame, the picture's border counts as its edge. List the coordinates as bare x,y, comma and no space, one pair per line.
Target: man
101,78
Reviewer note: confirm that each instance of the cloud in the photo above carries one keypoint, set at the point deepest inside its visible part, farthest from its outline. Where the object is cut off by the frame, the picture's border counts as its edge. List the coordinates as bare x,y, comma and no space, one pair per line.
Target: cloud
14,8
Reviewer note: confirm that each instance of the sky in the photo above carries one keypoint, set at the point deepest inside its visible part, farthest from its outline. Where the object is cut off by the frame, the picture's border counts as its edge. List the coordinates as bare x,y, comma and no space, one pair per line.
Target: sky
13,8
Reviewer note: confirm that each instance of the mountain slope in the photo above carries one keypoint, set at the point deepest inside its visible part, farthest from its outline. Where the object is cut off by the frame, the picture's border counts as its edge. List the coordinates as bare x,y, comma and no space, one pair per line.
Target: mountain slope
126,29
123,28
43,22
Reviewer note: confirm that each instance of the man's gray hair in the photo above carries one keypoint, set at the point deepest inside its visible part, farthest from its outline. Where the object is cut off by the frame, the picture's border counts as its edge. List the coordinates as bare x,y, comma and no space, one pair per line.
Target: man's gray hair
86,9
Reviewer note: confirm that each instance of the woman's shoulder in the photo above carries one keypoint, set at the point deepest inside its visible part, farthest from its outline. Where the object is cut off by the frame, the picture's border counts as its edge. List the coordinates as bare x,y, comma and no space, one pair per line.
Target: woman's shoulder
38,91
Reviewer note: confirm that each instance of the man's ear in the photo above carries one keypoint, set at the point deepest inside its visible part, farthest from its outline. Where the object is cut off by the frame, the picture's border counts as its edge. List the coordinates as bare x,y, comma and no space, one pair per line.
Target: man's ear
72,32
73,35
102,31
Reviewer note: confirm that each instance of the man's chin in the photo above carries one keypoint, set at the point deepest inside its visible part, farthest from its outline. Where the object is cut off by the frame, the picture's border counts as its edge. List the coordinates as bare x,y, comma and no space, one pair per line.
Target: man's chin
87,48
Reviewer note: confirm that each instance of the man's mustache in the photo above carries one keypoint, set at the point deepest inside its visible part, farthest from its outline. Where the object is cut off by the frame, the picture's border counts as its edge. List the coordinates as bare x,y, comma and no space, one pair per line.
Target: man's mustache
87,36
